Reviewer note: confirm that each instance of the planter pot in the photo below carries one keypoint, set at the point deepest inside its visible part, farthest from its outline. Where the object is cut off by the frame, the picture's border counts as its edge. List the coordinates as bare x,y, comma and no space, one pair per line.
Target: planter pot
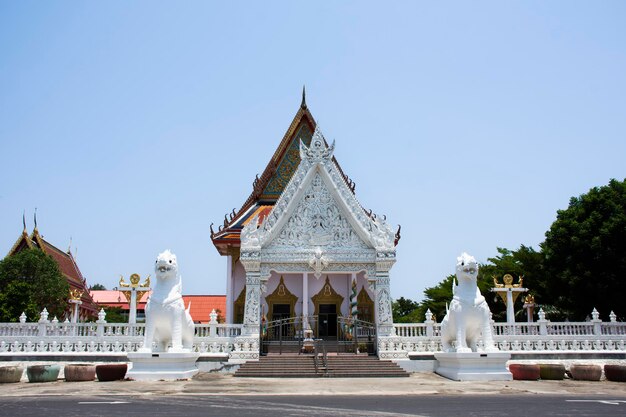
11,374
111,372
554,371
80,372
43,373
524,372
615,373
586,372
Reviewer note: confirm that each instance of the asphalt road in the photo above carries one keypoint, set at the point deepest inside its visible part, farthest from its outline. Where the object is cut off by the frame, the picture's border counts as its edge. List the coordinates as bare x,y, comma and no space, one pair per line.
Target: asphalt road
258,406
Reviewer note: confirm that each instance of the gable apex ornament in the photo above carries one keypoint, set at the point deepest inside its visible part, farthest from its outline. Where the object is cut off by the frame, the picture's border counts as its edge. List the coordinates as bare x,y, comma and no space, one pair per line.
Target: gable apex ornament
318,263
318,151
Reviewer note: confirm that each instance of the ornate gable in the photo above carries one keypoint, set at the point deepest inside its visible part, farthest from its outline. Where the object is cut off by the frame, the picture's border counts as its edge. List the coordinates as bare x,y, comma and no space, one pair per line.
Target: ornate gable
317,209
318,221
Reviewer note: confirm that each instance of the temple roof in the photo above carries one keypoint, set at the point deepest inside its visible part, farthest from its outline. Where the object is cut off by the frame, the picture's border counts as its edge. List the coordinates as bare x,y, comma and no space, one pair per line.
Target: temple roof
65,260
268,187
201,305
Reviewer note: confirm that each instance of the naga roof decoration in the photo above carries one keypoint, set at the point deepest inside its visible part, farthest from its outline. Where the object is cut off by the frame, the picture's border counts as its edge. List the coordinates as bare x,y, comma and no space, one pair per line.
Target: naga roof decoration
269,186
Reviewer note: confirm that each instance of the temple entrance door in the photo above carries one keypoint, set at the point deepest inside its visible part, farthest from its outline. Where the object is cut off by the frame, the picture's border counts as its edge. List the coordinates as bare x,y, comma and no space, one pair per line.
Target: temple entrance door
327,321
281,311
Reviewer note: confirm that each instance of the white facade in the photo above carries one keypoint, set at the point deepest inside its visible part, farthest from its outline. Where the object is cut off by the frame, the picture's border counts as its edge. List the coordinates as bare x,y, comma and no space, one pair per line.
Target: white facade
317,232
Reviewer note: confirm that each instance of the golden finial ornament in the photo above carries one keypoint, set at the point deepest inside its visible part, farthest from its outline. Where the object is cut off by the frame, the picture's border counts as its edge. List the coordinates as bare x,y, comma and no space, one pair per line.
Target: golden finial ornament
134,285
76,294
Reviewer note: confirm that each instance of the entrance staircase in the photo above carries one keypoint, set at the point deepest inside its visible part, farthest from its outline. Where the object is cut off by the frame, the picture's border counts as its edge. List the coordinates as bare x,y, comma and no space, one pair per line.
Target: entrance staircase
335,366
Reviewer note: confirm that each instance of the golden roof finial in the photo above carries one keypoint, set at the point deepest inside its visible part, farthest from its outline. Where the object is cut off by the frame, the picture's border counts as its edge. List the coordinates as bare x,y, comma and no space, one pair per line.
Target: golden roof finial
24,222
35,218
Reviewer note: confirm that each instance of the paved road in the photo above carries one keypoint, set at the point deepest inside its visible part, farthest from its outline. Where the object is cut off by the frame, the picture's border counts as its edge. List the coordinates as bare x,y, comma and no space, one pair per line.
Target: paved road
275,406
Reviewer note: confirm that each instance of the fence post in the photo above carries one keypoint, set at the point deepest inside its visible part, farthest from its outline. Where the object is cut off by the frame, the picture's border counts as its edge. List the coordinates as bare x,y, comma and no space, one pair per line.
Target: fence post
597,323
430,329
100,323
43,321
543,328
213,323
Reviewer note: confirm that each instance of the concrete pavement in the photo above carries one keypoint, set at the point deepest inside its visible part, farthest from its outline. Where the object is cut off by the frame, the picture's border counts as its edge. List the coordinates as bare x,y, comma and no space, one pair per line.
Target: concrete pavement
225,384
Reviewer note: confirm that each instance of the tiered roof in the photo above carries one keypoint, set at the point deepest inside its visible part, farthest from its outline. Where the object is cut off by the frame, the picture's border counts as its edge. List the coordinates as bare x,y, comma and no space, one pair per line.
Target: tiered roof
65,260
267,188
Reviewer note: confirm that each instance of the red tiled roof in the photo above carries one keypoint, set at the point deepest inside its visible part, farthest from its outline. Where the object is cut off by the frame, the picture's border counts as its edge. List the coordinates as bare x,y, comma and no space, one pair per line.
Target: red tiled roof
201,305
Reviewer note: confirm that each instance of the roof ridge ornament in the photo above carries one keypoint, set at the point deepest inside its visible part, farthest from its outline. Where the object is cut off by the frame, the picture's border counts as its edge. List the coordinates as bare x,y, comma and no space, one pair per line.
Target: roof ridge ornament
303,104
318,151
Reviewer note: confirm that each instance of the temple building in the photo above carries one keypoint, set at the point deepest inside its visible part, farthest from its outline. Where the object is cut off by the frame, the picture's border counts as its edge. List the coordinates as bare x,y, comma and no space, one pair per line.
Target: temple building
301,245
88,310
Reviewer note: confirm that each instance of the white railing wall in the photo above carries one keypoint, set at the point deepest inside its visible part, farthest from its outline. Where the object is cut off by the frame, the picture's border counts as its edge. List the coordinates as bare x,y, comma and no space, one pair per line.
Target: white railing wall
48,337
226,340
541,336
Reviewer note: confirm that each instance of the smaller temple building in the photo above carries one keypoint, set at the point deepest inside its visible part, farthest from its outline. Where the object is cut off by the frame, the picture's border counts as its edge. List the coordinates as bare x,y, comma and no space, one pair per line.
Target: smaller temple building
88,310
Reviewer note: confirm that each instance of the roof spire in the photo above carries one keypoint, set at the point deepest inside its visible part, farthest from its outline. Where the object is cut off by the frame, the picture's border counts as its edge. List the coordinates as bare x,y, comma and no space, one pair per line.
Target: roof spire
35,218
69,248
303,104
24,221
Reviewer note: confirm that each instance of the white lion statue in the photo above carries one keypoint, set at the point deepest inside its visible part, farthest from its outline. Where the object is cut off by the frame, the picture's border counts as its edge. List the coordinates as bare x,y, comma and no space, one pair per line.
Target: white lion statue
167,321
469,314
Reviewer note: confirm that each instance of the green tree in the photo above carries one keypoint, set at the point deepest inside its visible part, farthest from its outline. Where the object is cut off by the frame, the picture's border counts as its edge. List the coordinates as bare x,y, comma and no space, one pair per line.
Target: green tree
585,254
115,315
97,287
30,281
402,310
525,262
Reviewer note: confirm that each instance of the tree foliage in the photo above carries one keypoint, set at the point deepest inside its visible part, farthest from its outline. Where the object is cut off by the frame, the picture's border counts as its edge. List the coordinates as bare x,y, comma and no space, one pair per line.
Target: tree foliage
30,281
402,310
585,254
97,287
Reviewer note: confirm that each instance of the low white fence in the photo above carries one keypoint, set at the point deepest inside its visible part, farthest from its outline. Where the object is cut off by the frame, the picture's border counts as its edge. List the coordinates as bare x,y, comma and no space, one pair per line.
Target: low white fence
414,339
225,340
101,337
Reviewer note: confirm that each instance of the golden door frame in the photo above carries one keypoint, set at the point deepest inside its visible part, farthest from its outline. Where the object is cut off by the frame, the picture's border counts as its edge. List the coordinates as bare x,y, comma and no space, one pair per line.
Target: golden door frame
239,306
281,295
364,301
327,295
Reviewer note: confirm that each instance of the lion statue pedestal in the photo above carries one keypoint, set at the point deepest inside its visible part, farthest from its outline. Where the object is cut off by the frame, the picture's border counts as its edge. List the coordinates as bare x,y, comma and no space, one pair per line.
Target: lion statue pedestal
168,339
467,319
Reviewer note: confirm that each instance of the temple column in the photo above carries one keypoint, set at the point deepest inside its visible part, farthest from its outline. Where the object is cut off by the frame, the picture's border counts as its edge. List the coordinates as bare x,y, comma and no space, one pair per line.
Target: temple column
229,289
384,317
305,294
251,314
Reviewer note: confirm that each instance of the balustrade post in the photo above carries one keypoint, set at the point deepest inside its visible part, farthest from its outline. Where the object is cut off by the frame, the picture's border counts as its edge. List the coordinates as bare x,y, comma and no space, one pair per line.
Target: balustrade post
597,323
43,322
430,324
213,323
100,323
543,327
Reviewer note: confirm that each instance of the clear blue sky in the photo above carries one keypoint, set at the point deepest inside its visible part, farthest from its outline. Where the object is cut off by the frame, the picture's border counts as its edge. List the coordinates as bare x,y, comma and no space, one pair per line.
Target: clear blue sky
132,126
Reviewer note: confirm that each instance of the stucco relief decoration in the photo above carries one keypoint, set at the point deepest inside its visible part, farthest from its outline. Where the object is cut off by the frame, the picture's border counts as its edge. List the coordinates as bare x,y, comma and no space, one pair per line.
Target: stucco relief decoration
318,263
318,150
250,234
384,304
317,221
383,235
252,306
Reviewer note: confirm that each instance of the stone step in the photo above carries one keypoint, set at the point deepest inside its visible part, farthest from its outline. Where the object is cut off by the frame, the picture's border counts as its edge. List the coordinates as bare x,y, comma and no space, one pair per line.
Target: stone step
348,366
